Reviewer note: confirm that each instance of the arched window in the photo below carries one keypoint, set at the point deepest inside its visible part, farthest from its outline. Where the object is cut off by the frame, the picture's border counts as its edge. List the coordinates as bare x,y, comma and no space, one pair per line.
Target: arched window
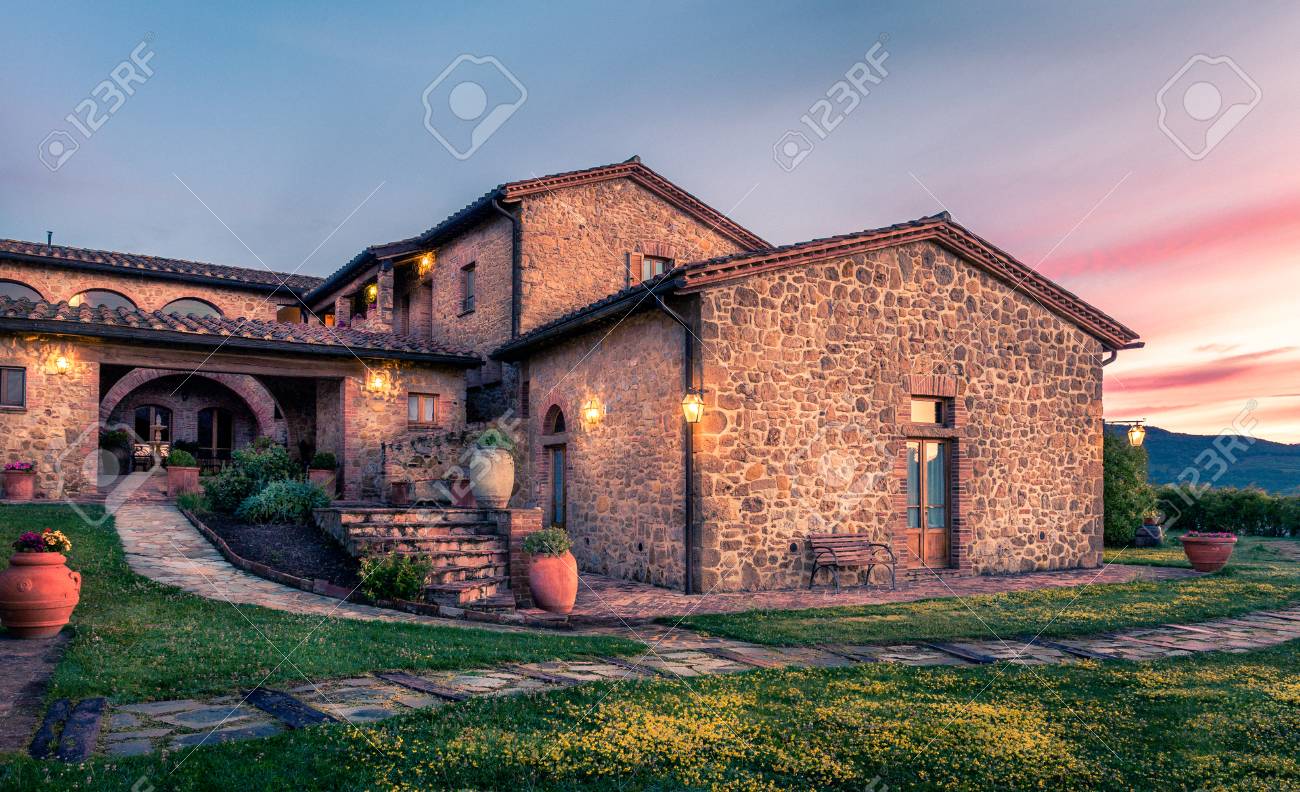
153,424
18,291
102,297
191,306
554,421
216,433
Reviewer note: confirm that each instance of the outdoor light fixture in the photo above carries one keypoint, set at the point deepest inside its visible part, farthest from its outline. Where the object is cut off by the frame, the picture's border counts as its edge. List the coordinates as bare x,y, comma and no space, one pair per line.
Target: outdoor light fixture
377,380
1136,434
372,293
425,264
693,405
591,412
62,364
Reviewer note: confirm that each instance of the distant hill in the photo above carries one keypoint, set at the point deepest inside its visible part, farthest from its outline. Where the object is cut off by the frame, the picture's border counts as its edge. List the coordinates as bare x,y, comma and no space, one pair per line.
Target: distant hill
1271,466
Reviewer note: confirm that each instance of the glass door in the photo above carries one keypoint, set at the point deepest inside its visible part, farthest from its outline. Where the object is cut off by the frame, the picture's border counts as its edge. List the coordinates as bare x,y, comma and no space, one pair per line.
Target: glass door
559,486
927,502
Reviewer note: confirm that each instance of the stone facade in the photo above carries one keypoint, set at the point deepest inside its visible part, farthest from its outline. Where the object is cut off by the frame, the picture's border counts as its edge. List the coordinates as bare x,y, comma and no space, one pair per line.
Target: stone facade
576,243
625,482
57,284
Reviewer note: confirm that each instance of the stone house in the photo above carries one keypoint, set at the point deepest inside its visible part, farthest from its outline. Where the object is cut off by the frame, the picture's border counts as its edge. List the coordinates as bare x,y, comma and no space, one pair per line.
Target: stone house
913,383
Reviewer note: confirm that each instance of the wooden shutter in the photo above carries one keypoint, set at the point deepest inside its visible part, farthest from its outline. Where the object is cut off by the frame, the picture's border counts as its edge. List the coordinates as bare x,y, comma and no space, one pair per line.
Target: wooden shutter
634,262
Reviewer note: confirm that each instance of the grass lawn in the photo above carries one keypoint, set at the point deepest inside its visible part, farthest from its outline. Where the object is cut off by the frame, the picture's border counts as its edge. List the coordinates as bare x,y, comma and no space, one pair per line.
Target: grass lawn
136,640
1259,579
1210,722
1251,551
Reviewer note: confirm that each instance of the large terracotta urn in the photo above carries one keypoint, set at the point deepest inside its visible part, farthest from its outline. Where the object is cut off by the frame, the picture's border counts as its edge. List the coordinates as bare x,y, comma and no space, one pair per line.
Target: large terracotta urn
325,479
20,484
492,477
554,581
182,479
1208,552
37,594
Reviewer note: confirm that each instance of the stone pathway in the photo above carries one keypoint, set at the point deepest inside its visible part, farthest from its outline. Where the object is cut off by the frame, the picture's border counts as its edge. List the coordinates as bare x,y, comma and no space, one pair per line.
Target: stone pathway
27,667
161,545
671,654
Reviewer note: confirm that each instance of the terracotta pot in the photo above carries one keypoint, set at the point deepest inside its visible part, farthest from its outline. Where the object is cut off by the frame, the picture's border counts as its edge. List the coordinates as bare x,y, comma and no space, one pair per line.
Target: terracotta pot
325,478
1208,553
554,581
20,484
37,594
492,477
182,479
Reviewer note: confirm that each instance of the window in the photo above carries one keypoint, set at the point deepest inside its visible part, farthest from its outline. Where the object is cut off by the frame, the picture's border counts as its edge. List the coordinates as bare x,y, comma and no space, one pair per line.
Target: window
467,278
422,408
18,291
289,314
929,411
559,485
523,398
191,306
553,423
13,387
216,433
329,319
654,266
97,298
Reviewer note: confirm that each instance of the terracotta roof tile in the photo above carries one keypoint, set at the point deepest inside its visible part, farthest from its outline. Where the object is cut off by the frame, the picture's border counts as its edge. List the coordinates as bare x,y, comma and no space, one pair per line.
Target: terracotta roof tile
135,262
86,320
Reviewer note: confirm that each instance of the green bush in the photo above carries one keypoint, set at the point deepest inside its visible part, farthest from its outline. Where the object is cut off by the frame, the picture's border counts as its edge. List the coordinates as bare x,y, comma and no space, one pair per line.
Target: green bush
250,471
548,541
393,577
115,440
181,458
192,502
324,460
283,502
1128,497
1243,511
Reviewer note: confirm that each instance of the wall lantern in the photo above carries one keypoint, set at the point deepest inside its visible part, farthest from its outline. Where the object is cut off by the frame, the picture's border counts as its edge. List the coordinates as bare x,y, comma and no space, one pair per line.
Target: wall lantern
425,264
693,405
372,293
376,381
1136,434
62,365
591,412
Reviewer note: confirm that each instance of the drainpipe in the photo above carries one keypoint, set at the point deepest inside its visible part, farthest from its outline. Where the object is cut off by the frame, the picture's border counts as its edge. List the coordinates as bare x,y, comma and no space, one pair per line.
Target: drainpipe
1113,353
688,447
516,271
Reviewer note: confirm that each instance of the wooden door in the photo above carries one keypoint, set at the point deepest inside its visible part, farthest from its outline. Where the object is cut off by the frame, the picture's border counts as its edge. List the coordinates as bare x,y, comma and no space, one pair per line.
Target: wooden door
928,512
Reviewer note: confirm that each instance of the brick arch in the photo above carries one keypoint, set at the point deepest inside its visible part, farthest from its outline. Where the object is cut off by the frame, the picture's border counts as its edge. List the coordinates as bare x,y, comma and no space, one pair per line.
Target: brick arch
554,415
259,400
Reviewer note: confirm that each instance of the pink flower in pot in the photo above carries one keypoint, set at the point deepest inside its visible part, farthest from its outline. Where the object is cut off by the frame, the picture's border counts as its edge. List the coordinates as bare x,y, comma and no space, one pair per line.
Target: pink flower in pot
37,590
20,480
552,570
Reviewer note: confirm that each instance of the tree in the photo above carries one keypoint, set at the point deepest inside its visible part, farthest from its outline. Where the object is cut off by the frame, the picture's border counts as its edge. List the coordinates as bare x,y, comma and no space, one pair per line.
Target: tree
1128,496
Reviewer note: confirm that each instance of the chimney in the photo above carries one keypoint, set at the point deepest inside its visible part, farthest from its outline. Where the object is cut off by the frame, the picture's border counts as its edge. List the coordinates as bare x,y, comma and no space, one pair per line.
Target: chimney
49,238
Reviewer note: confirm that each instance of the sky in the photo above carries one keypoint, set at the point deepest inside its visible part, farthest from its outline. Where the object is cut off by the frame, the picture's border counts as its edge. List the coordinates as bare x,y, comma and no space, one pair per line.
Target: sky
293,136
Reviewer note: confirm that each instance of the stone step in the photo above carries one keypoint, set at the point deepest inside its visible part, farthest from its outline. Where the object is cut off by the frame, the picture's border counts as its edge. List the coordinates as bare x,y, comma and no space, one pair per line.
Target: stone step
443,516
466,592
439,545
421,529
443,575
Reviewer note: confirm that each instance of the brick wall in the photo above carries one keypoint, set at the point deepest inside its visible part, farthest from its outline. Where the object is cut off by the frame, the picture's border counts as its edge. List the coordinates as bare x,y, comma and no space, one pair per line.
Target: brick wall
57,284
185,402
58,429
576,241
808,372
625,488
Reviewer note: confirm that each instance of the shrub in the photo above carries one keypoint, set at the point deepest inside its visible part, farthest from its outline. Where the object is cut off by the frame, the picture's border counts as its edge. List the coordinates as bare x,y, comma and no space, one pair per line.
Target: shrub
1243,511
548,541
191,502
250,471
283,502
393,577
179,457
324,460
115,440
1128,497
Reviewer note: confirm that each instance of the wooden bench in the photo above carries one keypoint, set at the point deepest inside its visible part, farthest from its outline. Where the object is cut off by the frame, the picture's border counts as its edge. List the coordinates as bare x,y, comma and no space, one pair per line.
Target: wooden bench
837,551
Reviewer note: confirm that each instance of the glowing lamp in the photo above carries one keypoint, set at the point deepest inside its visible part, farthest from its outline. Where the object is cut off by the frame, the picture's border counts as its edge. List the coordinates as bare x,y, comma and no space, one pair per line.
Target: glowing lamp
62,364
591,412
1136,434
425,264
372,293
693,406
377,381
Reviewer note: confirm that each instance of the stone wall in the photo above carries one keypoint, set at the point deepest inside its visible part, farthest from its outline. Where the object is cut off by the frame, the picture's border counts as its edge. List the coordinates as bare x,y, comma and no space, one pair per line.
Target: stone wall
57,284
625,488
58,429
576,242
808,371
487,246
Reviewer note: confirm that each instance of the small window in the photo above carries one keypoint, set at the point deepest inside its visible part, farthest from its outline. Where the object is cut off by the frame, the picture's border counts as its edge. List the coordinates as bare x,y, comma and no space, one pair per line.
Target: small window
928,411
102,298
13,387
422,408
524,388
654,266
467,278
289,314
18,291
329,319
191,306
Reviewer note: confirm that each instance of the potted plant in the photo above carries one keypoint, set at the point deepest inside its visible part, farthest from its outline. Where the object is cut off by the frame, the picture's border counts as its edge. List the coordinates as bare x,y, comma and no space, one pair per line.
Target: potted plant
20,480
552,570
1208,551
182,472
38,591
323,471
492,469
1151,533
